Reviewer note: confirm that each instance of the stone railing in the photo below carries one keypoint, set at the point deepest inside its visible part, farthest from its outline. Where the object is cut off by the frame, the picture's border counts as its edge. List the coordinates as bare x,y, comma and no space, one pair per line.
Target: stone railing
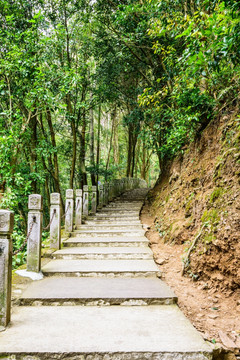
79,204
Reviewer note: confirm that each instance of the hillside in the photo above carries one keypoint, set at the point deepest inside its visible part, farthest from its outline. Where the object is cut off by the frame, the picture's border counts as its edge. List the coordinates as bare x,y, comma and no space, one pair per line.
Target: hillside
193,212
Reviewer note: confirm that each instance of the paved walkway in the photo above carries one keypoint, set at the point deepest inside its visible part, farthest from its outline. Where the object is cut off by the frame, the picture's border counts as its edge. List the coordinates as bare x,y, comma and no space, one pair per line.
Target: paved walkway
74,312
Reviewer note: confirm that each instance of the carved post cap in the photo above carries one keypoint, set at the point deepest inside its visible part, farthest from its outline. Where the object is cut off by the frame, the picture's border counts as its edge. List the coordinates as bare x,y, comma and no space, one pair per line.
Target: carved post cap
6,221
35,202
55,199
85,188
78,192
94,188
69,193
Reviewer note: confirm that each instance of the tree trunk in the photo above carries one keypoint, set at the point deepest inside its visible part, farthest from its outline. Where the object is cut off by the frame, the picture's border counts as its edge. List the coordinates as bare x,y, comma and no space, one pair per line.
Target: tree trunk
98,140
110,145
33,153
92,162
115,137
55,174
82,153
129,158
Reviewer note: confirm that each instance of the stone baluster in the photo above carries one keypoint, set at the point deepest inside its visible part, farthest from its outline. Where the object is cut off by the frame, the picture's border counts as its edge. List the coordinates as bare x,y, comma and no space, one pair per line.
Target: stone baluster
94,200
79,206
85,201
55,221
69,206
34,243
100,196
6,229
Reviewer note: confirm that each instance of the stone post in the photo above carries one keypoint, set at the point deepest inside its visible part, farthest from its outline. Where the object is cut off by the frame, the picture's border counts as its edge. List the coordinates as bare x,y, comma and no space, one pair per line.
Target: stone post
85,201
34,243
94,200
78,211
55,219
6,229
69,206
100,196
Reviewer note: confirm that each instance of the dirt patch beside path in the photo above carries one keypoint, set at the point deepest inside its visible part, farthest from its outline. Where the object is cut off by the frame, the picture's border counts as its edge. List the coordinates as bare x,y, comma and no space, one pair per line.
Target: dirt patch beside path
214,313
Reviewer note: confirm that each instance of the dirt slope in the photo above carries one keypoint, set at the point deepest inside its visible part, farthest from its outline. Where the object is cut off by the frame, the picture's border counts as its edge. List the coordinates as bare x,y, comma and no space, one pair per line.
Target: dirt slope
194,215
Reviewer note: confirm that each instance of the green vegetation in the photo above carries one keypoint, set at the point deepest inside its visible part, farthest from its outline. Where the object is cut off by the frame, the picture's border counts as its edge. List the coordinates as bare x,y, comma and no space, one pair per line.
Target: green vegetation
101,89
217,193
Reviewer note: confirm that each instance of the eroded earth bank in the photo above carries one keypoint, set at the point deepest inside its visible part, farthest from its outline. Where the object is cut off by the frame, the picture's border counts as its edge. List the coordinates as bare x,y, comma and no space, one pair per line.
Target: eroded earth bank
193,221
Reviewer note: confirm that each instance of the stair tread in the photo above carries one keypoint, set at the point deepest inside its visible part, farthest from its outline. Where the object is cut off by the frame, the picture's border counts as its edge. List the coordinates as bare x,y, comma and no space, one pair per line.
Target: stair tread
103,330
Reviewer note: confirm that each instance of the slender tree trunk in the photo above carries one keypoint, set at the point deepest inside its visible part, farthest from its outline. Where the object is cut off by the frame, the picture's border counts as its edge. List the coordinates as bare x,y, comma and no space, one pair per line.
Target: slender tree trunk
55,174
129,157
82,153
74,154
98,140
92,162
33,154
143,169
115,137
133,155
110,146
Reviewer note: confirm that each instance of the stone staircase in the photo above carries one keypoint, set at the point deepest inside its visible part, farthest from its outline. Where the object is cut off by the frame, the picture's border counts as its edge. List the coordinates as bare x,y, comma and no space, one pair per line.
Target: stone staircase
102,298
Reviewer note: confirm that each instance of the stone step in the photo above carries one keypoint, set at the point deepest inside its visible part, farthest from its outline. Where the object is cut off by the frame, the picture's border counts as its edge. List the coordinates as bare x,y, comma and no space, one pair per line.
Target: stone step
128,207
101,253
112,222
124,205
113,226
98,291
96,268
101,216
121,211
108,332
107,233
107,241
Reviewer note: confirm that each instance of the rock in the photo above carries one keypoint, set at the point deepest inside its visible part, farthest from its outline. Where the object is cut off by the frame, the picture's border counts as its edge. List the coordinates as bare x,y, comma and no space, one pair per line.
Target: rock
226,340
213,316
146,227
160,261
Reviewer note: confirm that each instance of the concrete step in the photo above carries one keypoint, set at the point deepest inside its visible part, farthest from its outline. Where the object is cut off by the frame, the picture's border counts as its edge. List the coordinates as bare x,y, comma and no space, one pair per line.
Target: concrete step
100,333
112,222
107,241
113,226
107,233
98,291
96,268
102,216
120,211
101,253
123,207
